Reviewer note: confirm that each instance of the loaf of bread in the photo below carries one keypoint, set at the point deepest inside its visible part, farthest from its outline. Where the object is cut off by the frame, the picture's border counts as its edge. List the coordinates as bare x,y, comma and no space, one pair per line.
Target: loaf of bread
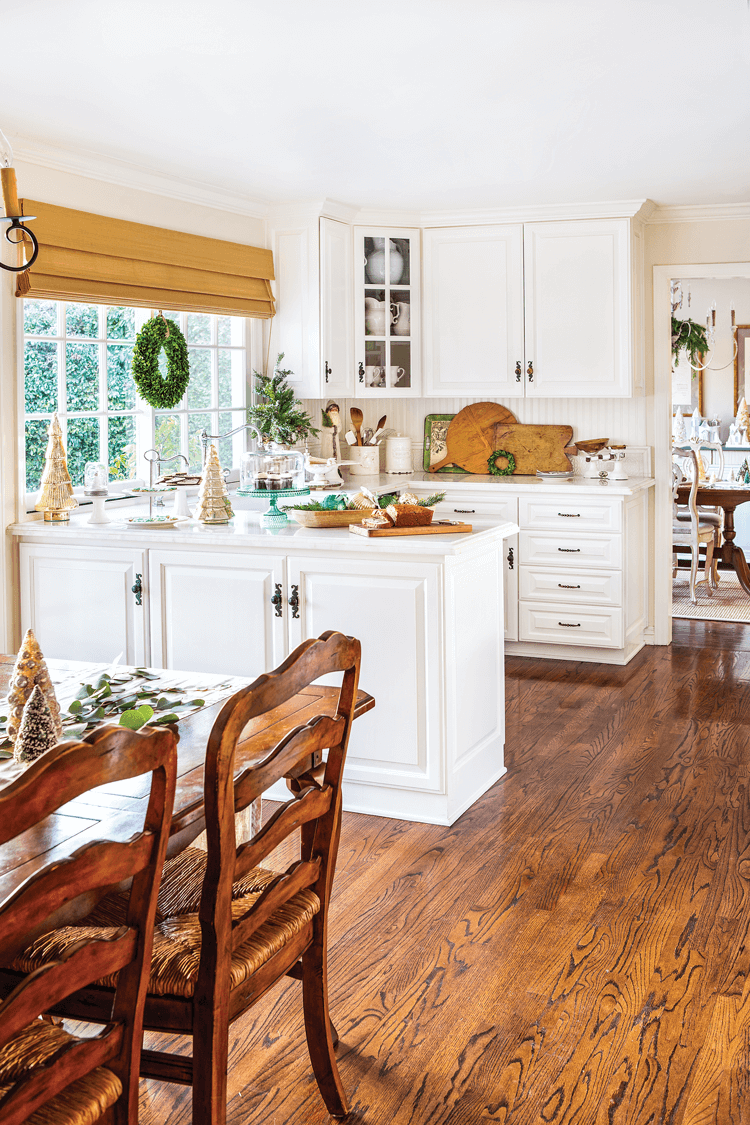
409,515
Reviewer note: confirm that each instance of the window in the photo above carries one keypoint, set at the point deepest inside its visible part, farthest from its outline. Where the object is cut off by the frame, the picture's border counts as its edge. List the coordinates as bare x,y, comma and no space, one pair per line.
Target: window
77,361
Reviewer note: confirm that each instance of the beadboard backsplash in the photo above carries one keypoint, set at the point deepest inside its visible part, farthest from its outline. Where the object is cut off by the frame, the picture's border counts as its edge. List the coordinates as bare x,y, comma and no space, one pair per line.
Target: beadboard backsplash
621,420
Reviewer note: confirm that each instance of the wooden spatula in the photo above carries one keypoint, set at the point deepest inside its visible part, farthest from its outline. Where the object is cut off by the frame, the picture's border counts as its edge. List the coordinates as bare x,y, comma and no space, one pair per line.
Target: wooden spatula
357,416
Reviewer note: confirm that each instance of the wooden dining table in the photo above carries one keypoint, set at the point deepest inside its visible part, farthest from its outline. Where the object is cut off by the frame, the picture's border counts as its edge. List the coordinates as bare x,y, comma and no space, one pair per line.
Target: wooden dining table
727,496
117,810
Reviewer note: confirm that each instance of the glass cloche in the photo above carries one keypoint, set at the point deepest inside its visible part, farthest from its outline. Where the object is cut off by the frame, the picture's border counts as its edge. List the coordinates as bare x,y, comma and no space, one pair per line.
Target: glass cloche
95,479
272,469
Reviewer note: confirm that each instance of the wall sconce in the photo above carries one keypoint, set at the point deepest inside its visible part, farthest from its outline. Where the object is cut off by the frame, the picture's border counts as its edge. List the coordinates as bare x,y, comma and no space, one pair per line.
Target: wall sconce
13,216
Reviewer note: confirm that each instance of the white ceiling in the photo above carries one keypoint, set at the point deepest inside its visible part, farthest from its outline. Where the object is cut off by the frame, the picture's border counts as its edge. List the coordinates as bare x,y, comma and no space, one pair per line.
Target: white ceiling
416,104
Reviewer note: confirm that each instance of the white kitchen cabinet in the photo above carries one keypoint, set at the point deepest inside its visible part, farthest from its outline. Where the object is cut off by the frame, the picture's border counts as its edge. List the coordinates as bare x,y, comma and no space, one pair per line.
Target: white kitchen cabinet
214,612
473,311
578,332
541,310
387,313
80,603
313,289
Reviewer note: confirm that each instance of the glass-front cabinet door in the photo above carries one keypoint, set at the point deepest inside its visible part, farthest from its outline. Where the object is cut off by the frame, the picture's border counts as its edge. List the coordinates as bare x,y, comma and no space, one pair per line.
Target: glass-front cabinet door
386,325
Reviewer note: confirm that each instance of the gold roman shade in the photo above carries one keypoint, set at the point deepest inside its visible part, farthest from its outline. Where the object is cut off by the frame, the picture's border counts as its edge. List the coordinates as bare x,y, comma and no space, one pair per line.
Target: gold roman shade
84,257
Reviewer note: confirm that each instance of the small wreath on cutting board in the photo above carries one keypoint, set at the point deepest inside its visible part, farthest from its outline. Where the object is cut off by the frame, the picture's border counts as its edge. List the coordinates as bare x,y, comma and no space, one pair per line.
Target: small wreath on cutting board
156,334
493,459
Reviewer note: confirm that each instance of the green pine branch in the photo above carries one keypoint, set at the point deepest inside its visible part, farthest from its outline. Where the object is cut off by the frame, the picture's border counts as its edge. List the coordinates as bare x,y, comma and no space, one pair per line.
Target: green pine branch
277,413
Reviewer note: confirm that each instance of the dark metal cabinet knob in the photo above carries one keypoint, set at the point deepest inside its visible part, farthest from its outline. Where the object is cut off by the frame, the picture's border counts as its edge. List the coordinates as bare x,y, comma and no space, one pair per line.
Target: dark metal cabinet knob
277,601
518,371
328,370
361,372
138,589
294,601
511,558
530,371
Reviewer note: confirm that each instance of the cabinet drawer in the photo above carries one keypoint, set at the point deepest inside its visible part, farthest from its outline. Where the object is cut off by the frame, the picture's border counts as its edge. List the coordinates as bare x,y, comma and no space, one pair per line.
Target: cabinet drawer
574,587
548,549
584,625
497,508
570,513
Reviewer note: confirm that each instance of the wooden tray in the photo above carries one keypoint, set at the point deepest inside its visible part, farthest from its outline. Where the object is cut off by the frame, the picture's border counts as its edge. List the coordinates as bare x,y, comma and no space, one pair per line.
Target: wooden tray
330,518
436,528
469,437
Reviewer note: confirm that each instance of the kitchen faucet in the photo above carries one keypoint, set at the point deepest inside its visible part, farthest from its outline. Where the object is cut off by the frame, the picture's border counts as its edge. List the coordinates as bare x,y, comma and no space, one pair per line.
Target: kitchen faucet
206,437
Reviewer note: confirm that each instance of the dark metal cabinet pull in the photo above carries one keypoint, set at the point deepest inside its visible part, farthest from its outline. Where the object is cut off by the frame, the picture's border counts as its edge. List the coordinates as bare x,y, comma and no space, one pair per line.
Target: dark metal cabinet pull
465,511
361,372
570,515
570,550
138,589
510,558
563,586
518,371
570,624
329,370
530,371
294,601
277,601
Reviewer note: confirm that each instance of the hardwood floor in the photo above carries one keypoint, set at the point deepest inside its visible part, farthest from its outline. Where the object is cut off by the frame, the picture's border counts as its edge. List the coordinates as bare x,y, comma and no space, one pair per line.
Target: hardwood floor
574,949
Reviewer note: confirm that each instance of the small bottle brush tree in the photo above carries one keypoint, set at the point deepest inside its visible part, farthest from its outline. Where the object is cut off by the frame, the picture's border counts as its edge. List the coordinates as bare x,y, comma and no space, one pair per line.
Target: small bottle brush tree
277,415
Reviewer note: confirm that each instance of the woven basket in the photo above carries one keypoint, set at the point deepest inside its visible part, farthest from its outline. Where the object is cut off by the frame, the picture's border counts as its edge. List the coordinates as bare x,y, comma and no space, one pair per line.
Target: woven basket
328,519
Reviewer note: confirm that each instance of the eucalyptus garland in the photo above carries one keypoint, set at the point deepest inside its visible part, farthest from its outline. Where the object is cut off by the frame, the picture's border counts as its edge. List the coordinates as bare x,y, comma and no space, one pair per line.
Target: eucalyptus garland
493,459
689,336
156,334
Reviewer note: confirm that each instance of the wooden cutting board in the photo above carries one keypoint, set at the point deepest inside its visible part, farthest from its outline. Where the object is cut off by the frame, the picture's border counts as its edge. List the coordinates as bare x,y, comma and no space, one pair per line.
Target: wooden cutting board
447,528
470,436
534,447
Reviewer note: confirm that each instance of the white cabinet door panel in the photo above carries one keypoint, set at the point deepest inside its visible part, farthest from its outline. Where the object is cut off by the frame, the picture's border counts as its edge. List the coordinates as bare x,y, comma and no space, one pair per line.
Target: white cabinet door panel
212,612
336,337
577,319
473,311
80,604
394,611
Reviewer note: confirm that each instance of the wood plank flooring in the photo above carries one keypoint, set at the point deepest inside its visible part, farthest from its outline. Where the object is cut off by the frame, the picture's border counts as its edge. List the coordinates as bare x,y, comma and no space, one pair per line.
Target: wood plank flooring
575,949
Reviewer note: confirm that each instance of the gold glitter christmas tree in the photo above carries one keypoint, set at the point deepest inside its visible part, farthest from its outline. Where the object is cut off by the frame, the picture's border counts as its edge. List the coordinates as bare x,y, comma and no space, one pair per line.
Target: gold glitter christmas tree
213,499
30,671
56,497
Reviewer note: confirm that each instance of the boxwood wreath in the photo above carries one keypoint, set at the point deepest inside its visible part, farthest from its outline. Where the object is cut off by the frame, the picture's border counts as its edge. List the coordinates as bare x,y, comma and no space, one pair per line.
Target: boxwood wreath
493,459
156,334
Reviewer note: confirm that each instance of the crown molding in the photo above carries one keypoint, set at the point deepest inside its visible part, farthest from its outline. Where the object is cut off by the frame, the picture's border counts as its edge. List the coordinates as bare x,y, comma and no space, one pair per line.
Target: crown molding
123,173
305,211
699,213
540,212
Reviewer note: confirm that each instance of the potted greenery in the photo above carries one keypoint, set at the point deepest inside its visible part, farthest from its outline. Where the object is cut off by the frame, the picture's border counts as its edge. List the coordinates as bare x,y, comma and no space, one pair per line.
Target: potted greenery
277,414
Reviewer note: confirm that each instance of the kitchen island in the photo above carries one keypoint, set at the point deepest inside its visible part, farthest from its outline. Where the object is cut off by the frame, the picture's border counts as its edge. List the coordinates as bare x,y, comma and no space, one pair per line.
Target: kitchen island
236,599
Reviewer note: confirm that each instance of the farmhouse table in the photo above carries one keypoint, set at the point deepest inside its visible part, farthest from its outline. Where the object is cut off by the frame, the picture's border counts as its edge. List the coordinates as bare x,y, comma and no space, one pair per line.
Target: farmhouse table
727,496
118,809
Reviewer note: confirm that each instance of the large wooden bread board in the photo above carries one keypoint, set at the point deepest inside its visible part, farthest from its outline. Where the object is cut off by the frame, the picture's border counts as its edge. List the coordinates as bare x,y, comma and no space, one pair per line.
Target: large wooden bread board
425,529
469,438
534,447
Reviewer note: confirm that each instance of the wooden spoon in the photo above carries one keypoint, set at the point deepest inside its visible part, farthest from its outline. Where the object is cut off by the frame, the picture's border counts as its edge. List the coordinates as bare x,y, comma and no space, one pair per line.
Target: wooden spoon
357,416
378,431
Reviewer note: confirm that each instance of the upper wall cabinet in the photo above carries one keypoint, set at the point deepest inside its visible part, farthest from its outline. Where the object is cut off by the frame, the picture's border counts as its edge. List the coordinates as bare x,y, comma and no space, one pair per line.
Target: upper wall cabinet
313,322
473,311
543,310
387,318
577,309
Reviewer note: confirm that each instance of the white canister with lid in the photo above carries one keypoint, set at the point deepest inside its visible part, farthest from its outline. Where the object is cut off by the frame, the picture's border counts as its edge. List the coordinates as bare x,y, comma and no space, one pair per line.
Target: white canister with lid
398,454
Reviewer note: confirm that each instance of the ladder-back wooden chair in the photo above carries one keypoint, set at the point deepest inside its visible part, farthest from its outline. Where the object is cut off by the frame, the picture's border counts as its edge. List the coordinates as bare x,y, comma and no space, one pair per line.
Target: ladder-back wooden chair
228,928
48,1076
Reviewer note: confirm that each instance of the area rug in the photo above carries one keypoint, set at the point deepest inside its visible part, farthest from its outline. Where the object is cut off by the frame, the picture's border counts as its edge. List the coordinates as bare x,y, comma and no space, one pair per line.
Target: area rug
729,602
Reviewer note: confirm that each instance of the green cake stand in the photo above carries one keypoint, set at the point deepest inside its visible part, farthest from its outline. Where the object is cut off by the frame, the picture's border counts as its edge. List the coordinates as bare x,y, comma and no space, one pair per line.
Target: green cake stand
273,518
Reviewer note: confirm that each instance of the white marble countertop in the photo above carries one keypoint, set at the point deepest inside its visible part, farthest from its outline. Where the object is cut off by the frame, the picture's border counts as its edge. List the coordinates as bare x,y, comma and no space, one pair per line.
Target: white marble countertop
244,530
450,482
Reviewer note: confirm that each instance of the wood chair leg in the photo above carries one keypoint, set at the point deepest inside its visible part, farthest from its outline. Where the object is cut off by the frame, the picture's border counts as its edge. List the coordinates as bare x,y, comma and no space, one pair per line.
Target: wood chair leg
320,1032
693,575
211,1048
709,568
